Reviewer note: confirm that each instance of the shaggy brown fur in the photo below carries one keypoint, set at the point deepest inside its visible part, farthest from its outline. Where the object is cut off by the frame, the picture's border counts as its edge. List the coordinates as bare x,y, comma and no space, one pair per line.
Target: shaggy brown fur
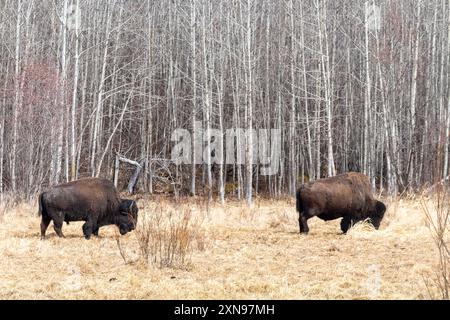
93,200
347,196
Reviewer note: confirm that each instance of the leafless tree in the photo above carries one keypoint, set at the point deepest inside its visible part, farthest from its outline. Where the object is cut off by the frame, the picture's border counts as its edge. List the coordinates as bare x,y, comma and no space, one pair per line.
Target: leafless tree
350,89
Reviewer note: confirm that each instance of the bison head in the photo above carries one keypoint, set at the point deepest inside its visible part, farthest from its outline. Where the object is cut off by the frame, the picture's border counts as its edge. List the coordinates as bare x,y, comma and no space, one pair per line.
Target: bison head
377,213
128,216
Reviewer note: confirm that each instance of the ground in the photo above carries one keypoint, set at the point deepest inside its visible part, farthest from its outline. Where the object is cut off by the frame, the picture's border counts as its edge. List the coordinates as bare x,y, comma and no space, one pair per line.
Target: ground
239,253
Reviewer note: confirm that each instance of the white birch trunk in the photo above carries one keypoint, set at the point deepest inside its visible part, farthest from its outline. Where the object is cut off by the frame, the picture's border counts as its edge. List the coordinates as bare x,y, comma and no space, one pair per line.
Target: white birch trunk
249,147
99,104
16,97
194,92
325,64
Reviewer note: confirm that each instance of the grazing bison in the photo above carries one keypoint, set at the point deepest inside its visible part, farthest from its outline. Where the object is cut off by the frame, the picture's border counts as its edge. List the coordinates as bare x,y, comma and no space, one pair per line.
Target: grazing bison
347,196
93,200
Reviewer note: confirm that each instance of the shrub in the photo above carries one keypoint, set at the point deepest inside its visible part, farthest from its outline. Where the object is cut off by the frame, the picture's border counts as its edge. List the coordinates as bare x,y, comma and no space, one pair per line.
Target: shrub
166,236
438,216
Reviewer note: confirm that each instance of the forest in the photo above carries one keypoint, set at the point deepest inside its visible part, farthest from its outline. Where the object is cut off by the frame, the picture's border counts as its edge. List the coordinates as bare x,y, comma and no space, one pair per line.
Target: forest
351,85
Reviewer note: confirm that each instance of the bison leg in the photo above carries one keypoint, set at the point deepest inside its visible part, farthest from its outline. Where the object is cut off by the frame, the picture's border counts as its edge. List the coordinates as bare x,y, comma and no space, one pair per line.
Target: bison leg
44,225
95,232
57,225
88,229
303,223
346,223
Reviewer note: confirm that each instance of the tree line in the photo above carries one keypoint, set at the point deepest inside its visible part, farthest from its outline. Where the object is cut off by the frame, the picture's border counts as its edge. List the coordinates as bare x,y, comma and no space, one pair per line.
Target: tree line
352,85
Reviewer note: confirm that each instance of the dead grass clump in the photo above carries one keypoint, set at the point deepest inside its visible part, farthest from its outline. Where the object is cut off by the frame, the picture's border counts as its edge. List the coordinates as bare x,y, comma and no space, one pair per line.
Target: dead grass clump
166,237
361,229
362,226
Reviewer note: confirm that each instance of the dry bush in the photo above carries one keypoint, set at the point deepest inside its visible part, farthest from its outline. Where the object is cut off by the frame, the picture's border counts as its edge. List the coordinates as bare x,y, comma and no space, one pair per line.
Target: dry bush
438,215
166,237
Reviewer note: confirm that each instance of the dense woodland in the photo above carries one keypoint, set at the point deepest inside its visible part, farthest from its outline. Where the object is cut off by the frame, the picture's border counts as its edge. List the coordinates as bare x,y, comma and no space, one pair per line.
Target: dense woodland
85,80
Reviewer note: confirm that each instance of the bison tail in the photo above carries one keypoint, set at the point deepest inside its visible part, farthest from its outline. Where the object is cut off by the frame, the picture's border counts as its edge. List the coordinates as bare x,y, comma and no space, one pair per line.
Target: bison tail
42,210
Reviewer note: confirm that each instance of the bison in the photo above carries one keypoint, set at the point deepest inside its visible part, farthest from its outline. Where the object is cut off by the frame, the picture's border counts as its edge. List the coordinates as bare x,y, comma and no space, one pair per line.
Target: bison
93,200
347,196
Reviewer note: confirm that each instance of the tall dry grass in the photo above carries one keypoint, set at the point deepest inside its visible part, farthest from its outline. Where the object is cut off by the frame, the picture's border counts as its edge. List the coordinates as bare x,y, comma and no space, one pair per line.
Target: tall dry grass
7,203
437,212
232,252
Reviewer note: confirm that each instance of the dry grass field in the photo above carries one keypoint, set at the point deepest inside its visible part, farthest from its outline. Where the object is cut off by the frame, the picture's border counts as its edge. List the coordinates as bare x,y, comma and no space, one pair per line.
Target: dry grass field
234,253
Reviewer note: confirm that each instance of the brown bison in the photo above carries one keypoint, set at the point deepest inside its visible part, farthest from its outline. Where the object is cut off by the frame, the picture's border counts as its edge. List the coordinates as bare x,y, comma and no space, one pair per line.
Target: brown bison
93,200
347,196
